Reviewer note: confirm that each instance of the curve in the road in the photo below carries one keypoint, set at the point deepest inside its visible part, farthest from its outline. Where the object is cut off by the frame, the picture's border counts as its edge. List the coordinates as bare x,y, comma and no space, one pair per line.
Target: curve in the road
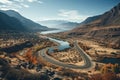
87,60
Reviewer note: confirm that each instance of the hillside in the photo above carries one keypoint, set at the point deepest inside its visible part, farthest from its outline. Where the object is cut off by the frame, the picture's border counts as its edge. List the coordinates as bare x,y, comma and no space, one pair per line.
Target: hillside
29,24
10,23
90,19
104,28
111,17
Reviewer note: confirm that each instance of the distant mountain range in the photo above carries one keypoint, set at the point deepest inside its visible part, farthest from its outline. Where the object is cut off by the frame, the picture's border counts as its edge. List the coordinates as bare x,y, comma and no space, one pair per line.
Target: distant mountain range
104,28
12,20
59,24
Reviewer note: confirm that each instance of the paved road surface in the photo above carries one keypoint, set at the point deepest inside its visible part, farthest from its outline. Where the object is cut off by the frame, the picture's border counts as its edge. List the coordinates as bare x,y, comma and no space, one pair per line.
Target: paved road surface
87,60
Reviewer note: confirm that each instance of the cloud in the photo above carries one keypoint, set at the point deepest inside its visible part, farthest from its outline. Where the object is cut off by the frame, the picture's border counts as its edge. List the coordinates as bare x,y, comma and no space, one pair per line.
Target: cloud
38,1
16,4
67,15
5,2
6,7
71,15
32,0
24,5
18,0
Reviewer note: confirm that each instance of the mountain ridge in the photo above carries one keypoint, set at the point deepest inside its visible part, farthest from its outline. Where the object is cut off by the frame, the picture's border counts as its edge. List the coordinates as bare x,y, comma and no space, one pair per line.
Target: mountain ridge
31,25
104,29
10,23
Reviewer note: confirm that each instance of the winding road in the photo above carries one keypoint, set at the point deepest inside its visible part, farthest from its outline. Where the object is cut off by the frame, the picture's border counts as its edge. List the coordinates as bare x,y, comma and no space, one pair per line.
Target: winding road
88,63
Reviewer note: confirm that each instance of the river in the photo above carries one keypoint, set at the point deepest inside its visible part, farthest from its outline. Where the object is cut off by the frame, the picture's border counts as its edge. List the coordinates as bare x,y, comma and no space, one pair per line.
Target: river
62,44
53,31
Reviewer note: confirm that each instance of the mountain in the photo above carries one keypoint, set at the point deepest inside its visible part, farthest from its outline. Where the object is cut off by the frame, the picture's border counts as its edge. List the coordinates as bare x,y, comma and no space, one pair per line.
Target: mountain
59,24
103,28
29,24
90,19
51,23
10,23
68,25
111,17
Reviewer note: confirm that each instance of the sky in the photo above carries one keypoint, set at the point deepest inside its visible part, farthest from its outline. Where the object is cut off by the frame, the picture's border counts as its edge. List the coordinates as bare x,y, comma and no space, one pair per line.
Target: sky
70,10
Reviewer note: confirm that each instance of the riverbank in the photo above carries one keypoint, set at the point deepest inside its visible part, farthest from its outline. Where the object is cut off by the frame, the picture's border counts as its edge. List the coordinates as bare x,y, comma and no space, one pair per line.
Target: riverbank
95,50
95,47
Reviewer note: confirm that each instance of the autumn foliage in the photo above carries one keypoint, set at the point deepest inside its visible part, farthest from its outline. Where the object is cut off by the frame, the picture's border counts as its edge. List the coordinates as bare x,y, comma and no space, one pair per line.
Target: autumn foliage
115,68
30,57
106,76
109,72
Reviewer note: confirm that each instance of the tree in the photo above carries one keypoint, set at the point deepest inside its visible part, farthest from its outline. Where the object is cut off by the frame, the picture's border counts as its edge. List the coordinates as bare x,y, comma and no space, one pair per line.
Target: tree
110,76
110,68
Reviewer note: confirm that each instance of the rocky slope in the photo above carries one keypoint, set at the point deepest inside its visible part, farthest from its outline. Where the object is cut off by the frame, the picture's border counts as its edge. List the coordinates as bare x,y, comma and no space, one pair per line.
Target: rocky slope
111,17
90,19
104,28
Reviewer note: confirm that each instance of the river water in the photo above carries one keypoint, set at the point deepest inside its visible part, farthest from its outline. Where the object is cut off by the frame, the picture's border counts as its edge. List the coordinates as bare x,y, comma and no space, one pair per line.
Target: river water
62,44
53,31
65,45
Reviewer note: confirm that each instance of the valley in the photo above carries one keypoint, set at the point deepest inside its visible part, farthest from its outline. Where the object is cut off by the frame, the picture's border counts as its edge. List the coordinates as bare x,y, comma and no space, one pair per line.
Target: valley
58,42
